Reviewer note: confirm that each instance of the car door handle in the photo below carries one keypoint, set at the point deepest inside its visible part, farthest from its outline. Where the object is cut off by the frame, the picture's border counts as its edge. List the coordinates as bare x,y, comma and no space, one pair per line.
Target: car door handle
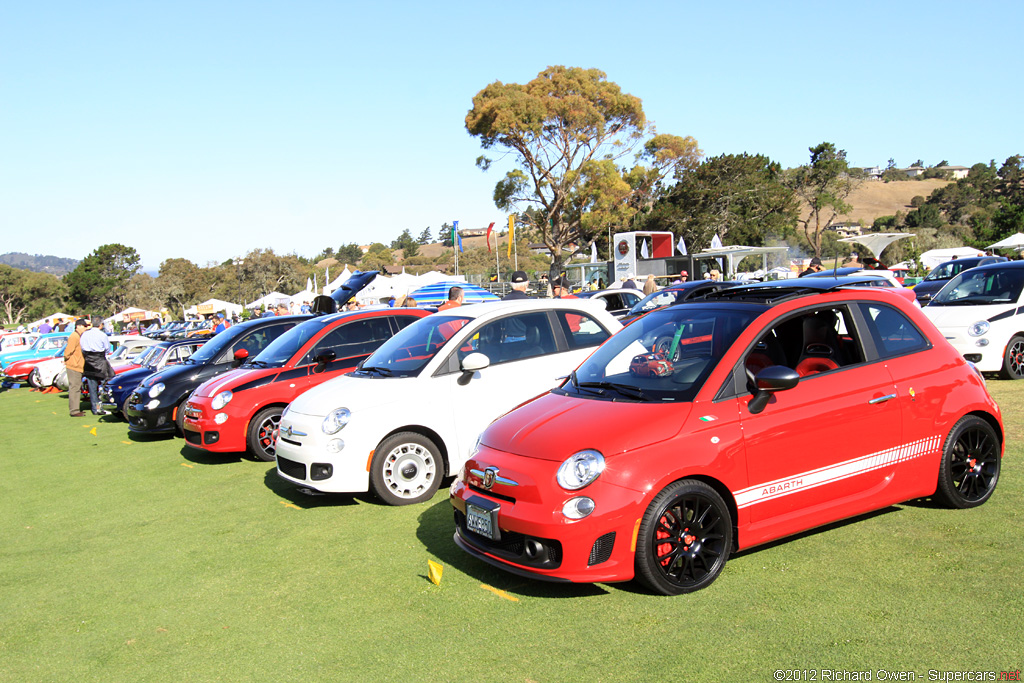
882,399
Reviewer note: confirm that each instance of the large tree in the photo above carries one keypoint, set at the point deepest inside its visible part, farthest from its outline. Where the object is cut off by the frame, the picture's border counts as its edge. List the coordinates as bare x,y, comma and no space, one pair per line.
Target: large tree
180,284
100,282
566,130
823,185
26,295
739,197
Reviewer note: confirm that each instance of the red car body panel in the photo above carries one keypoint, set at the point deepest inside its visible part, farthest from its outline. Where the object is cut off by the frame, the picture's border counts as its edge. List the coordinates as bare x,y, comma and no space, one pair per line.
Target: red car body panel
834,446
20,370
257,388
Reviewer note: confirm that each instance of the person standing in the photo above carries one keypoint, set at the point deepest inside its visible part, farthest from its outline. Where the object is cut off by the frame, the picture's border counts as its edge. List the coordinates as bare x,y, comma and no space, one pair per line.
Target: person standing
650,286
95,347
74,363
455,299
222,323
519,283
560,289
814,267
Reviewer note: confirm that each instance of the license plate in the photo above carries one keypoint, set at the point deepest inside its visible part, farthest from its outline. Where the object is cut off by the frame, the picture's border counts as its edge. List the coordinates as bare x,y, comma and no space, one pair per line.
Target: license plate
482,519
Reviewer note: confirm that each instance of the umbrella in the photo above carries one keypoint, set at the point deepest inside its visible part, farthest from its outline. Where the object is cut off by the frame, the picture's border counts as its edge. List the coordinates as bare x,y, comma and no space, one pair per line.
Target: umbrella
436,293
1015,241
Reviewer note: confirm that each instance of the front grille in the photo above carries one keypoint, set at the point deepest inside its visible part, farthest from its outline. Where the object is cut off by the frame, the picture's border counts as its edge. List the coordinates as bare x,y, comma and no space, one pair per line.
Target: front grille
492,494
295,470
291,441
193,438
545,553
602,549
193,412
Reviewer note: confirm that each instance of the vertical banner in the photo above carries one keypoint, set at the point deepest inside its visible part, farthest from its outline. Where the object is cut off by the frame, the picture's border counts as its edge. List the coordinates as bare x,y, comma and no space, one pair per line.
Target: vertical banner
511,234
489,228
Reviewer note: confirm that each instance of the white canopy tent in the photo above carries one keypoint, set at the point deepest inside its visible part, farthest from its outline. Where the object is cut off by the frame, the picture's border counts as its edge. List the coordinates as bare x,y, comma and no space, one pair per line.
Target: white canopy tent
338,281
876,242
930,259
211,306
271,299
302,297
1014,241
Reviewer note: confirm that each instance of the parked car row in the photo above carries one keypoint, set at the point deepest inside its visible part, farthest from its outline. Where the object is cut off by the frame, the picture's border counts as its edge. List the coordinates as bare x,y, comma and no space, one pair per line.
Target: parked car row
580,450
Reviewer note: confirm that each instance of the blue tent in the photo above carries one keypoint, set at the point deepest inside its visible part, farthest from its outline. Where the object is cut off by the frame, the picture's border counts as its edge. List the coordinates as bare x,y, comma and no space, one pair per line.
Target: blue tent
436,293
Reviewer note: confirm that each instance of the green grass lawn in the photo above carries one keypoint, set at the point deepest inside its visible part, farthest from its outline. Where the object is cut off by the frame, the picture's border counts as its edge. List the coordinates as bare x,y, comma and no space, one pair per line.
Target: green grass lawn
128,560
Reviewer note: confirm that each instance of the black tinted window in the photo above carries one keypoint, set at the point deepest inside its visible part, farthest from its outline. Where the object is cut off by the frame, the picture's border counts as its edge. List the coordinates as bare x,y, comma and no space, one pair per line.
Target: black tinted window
893,332
357,338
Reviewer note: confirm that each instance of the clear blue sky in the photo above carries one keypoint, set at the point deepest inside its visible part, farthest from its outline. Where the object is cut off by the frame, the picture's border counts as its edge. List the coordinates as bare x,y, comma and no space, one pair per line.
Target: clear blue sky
203,129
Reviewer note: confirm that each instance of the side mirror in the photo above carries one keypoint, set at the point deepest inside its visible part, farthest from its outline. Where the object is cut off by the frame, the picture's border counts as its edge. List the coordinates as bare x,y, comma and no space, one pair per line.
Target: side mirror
474,362
323,359
241,355
767,382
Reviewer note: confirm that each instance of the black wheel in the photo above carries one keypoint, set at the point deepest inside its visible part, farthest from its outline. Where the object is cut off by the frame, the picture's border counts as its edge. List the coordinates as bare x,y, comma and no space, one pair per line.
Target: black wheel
684,538
1013,359
33,379
407,468
262,435
179,418
970,463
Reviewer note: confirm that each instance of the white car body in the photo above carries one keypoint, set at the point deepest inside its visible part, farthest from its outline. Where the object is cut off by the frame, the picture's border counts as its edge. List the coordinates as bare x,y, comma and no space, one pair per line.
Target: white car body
444,400
981,313
17,340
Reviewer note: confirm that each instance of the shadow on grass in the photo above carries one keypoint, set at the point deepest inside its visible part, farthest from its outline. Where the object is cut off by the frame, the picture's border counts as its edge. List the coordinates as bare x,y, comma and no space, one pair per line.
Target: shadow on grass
201,457
306,501
435,531
815,531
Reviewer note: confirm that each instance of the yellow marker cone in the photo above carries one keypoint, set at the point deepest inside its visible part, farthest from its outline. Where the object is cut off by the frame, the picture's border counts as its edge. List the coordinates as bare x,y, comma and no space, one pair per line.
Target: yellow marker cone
93,431
434,571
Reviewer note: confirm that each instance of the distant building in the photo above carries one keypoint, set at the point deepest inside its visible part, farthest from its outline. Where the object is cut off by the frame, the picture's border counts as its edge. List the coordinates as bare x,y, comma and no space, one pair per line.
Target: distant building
846,228
957,172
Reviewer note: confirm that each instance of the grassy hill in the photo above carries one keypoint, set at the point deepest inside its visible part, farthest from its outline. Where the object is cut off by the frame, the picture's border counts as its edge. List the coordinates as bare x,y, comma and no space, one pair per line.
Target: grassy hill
873,198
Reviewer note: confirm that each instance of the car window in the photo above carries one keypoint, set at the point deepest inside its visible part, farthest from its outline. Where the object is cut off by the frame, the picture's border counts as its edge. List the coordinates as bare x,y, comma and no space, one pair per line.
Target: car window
580,330
812,342
982,286
894,334
255,341
357,338
516,337
405,354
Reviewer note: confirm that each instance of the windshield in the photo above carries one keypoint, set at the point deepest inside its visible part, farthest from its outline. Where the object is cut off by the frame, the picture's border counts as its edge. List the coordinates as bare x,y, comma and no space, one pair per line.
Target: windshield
151,356
948,270
664,356
980,287
288,344
660,299
405,354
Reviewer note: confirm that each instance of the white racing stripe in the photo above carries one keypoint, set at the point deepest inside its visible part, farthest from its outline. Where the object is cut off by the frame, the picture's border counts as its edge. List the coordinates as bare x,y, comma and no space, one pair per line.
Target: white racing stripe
832,473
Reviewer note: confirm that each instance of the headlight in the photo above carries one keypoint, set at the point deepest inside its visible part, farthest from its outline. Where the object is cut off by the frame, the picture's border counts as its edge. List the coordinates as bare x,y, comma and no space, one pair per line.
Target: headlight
578,508
336,420
978,328
156,389
221,400
580,470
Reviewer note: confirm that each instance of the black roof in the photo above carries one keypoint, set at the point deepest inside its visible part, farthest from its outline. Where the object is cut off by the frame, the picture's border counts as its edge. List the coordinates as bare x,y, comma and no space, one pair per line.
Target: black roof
775,291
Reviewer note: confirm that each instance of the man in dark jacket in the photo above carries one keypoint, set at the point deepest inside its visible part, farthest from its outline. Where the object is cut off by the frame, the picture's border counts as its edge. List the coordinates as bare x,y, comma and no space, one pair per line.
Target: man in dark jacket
519,283
95,347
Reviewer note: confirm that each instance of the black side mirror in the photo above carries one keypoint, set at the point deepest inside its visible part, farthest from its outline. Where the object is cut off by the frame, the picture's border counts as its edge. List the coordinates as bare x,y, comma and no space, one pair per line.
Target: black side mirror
767,382
323,359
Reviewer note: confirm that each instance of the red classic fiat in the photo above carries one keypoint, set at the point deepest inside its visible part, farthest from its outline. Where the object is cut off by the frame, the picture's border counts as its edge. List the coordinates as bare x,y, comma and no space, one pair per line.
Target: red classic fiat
709,427
240,410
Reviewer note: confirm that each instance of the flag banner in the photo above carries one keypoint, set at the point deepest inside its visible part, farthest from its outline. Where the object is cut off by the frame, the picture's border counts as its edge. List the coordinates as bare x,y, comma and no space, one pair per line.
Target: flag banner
593,252
716,242
644,253
327,278
511,234
460,241
681,246
309,285
489,228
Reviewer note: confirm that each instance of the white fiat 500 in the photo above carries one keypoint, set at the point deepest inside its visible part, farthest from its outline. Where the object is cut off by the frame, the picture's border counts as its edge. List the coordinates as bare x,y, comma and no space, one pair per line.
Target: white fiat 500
980,312
412,412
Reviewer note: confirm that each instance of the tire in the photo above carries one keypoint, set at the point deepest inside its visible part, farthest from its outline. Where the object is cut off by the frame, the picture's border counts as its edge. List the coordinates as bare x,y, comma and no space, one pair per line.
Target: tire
684,538
1013,359
970,465
34,380
262,434
406,469
179,418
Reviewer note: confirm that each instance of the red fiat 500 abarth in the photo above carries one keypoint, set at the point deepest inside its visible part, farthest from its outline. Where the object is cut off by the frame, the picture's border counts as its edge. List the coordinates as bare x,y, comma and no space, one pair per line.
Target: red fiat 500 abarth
770,409
241,409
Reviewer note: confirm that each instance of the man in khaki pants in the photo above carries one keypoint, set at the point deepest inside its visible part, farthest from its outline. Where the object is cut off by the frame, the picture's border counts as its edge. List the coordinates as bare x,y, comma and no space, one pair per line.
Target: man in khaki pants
74,361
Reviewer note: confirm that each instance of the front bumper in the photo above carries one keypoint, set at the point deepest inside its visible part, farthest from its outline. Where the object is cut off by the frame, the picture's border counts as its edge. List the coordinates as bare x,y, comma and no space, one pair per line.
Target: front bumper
203,431
987,357
144,419
311,459
534,537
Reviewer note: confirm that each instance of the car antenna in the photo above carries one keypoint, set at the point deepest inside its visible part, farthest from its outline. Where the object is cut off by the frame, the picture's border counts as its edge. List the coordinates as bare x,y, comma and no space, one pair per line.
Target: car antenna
835,264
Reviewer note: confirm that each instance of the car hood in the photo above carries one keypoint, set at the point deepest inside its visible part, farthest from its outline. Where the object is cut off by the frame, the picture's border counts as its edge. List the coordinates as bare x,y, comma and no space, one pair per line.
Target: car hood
231,380
184,374
130,379
352,392
554,426
961,316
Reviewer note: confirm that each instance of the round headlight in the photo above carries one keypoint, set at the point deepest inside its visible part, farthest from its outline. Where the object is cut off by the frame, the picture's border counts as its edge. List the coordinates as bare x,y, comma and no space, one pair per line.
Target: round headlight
578,508
156,389
336,420
221,400
580,469
979,328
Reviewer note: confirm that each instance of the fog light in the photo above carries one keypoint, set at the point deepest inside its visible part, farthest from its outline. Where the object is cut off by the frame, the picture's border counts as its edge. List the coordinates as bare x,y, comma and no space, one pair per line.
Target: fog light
319,471
981,342
220,418
578,508
533,548
335,446
152,405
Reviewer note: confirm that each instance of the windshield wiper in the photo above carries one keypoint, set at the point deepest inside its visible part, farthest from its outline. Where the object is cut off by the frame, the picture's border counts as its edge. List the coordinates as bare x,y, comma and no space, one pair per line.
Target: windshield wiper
624,389
962,302
383,372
